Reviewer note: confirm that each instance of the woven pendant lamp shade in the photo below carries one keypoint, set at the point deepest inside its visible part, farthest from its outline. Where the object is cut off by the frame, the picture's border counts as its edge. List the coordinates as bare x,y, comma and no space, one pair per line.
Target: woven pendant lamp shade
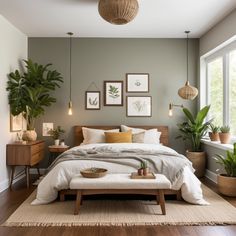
118,12
188,92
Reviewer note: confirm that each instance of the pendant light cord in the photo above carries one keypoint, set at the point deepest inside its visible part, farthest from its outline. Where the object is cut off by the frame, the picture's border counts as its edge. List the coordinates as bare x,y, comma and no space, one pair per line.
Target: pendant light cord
187,32
70,65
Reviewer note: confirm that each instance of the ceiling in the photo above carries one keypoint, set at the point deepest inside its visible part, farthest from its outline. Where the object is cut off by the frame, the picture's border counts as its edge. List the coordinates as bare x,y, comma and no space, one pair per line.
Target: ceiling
156,18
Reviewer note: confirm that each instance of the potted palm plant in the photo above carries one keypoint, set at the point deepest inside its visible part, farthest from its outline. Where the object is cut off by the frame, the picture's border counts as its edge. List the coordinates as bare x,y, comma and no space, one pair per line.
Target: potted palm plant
30,93
224,134
56,133
214,133
227,182
193,131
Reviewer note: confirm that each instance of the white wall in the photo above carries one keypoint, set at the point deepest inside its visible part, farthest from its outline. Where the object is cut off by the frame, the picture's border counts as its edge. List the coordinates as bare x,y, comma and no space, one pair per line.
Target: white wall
220,33
13,48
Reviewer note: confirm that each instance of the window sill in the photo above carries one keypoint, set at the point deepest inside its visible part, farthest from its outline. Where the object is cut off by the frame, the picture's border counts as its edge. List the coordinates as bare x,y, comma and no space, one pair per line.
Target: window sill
218,144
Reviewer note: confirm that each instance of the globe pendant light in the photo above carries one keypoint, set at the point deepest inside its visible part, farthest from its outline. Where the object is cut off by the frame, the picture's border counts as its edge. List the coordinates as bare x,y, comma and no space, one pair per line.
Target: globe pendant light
188,92
70,102
118,12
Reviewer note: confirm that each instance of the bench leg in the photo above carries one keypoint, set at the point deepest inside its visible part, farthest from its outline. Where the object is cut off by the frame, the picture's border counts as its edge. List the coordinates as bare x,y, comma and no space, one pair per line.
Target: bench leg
77,202
162,201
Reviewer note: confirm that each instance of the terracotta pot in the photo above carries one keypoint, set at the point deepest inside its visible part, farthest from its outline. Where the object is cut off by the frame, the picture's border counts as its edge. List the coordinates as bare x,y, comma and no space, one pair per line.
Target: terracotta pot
224,137
198,160
145,171
227,185
214,136
29,135
140,171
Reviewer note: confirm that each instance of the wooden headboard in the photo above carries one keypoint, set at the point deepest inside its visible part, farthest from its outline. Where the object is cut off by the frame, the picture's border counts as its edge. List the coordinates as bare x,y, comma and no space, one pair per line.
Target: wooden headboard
78,134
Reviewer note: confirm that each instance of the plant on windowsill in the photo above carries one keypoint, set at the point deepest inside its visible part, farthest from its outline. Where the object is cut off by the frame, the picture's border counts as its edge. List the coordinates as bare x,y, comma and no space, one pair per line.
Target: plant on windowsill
193,130
225,134
227,182
56,134
30,92
214,133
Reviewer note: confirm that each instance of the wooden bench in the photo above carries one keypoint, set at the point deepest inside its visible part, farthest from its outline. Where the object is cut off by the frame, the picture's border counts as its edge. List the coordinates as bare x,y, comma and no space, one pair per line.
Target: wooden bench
120,184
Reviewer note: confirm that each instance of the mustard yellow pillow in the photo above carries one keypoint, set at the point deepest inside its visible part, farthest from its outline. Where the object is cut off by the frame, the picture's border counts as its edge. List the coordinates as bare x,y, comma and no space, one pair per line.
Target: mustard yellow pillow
122,137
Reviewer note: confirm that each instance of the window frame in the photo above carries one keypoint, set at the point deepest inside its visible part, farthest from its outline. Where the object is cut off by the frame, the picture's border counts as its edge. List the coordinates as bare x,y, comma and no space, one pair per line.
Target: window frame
223,52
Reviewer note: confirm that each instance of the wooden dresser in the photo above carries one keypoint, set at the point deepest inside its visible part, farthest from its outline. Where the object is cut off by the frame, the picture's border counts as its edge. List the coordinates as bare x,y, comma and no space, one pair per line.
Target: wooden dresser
27,155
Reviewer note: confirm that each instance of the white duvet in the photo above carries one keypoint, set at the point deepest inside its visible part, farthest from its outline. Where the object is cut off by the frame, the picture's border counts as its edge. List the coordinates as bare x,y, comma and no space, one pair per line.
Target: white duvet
60,176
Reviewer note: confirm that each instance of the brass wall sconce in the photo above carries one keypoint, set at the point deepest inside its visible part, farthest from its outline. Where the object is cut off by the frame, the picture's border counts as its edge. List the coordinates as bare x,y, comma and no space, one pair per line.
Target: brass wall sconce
171,105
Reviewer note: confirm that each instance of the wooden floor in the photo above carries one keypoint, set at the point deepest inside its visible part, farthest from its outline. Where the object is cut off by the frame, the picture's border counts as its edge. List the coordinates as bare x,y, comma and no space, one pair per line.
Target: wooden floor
10,200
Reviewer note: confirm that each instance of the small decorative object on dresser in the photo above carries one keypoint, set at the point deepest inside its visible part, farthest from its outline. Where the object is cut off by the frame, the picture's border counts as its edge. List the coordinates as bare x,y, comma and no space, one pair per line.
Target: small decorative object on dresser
139,106
113,93
137,83
27,155
227,182
193,130
56,133
225,134
214,134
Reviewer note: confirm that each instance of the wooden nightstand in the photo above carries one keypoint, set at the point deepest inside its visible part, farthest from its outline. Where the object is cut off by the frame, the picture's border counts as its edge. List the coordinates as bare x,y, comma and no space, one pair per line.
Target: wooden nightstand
56,150
27,155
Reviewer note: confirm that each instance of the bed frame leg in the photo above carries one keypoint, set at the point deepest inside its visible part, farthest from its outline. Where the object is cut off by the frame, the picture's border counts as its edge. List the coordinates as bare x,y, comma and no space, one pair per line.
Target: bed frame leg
178,195
62,196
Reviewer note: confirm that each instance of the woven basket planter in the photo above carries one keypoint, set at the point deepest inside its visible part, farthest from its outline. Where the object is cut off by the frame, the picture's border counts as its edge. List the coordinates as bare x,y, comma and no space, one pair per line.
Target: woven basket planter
118,12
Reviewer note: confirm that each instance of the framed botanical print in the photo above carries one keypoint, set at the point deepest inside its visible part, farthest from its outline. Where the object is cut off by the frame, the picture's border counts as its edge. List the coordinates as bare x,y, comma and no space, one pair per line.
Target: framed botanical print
139,106
137,82
113,93
92,100
16,123
46,127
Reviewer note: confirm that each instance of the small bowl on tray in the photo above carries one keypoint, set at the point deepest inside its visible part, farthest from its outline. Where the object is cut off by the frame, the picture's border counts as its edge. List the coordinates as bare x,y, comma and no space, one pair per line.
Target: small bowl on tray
93,172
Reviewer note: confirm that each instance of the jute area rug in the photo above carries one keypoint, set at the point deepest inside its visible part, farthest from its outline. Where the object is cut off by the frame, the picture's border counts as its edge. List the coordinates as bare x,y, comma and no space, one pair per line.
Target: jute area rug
124,212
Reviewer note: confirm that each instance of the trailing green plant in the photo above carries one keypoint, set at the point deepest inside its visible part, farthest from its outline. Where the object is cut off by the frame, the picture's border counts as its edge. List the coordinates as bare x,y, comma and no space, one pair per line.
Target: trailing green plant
56,133
214,128
194,128
225,129
228,162
30,91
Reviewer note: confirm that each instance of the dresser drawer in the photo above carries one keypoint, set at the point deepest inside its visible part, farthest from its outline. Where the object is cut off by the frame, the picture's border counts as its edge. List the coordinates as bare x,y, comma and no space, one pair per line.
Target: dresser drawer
37,148
36,158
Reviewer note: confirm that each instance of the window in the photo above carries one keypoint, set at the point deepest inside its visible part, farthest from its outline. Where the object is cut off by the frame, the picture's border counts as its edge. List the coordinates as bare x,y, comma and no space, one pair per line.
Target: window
218,86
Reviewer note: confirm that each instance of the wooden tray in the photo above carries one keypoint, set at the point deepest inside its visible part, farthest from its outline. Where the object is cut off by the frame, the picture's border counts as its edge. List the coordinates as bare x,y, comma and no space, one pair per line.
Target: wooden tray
135,175
93,172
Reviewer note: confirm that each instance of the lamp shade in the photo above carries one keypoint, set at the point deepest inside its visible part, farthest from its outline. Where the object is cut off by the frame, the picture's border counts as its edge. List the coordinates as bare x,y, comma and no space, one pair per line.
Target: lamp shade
188,92
118,12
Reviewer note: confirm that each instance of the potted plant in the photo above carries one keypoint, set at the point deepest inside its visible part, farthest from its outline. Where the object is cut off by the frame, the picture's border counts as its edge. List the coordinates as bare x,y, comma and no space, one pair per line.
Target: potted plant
56,133
225,134
227,182
30,93
143,170
193,131
214,134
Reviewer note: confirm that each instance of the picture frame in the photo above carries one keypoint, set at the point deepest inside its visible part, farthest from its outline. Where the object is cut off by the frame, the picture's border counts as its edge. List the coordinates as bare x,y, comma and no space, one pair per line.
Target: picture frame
92,100
137,83
113,93
46,127
138,106
16,123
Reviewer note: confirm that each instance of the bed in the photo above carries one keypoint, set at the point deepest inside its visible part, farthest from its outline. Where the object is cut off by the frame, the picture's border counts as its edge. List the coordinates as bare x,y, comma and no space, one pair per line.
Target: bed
120,158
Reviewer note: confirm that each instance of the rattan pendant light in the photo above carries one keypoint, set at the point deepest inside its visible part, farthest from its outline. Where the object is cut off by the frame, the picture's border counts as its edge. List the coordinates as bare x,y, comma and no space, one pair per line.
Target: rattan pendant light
188,92
118,12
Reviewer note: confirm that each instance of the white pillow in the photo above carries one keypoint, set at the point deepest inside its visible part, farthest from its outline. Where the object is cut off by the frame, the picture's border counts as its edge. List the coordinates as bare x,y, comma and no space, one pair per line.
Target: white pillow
152,136
95,135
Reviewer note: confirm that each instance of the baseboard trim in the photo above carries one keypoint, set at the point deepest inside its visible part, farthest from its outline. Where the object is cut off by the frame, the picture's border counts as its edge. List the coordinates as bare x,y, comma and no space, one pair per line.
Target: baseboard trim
211,175
6,183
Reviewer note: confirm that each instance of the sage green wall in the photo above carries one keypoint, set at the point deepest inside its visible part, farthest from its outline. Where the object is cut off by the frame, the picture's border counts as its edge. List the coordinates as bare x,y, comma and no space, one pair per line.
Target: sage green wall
110,59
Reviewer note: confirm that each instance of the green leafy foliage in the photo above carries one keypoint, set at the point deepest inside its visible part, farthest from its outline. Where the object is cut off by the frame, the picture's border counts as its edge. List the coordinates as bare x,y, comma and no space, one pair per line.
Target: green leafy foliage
228,162
56,133
214,128
30,92
194,128
143,165
225,129
113,91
